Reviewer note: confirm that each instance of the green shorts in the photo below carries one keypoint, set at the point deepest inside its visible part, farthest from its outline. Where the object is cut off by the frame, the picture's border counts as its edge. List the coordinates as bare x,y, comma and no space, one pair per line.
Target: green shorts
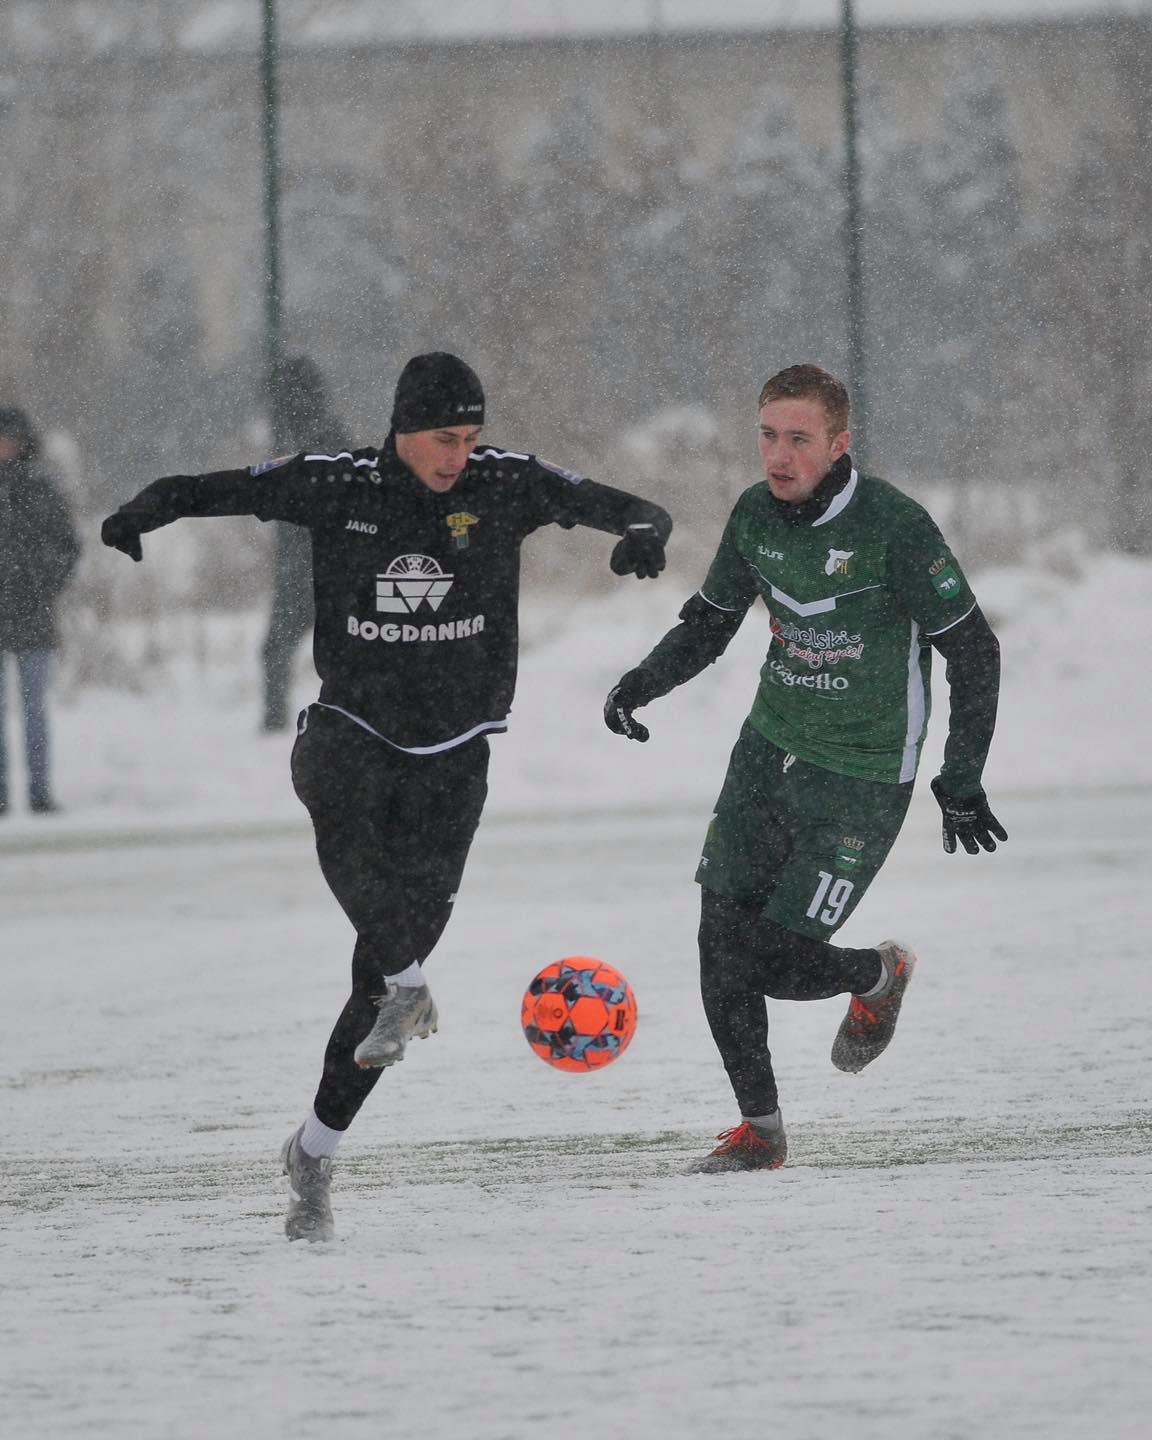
800,842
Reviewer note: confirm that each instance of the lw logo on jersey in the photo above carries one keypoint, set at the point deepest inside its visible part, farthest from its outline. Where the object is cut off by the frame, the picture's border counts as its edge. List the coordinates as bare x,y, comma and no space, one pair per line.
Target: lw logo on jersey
459,524
945,580
837,562
409,582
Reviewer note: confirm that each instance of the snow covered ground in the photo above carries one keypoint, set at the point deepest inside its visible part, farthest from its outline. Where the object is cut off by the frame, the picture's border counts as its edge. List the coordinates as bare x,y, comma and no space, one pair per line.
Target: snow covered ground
1076,706
958,1247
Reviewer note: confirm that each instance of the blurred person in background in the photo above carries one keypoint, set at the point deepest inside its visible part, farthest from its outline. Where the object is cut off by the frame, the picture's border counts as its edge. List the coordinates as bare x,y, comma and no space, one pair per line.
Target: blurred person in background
861,588
416,573
38,552
309,424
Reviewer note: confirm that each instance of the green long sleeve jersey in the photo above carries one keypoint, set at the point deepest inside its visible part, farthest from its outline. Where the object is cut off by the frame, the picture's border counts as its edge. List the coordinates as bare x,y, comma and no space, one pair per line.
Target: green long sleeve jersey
855,597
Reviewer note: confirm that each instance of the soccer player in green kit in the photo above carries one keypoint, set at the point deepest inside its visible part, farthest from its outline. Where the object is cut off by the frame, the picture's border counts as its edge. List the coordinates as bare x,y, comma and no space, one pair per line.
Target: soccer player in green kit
861,587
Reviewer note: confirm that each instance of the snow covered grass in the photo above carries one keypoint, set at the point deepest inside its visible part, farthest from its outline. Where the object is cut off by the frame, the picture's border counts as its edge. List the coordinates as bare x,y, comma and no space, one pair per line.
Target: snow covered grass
957,1248
186,751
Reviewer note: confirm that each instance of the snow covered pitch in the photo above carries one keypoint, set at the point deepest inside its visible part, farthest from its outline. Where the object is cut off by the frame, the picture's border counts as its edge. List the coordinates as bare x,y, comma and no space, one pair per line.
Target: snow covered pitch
958,1246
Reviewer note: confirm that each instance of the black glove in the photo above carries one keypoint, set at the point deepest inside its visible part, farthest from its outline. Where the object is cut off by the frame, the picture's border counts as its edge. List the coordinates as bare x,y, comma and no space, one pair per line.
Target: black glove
639,553
968,820
122,531
635,689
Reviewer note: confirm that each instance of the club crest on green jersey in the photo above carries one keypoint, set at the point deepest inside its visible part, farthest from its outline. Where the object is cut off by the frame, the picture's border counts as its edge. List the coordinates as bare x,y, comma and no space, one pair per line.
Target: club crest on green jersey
849,853
837,562
945,580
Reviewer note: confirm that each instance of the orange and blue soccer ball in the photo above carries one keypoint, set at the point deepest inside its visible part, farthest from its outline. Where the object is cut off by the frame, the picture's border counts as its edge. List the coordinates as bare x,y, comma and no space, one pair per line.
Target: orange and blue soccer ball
579,1014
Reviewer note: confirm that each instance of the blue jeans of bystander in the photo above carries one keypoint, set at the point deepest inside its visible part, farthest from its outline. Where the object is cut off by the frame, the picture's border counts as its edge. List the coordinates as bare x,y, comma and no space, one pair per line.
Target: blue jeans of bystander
32,668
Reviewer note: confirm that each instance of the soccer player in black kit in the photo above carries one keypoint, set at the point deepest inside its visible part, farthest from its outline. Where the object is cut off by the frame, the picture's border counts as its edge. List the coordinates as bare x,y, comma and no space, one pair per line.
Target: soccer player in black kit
416,565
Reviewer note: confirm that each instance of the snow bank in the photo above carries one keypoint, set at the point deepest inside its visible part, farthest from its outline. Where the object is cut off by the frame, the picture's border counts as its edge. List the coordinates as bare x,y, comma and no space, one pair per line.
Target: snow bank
186,751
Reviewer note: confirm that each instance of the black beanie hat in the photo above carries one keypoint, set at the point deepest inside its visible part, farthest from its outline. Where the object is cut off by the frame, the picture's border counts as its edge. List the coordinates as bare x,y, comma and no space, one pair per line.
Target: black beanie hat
435,391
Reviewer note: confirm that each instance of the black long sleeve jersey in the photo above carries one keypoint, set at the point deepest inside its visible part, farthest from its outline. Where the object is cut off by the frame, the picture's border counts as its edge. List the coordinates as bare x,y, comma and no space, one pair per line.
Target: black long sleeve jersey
416,592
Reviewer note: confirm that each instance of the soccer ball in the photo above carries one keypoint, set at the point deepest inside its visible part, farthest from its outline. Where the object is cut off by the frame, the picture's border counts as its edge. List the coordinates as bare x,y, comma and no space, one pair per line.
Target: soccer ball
579,1014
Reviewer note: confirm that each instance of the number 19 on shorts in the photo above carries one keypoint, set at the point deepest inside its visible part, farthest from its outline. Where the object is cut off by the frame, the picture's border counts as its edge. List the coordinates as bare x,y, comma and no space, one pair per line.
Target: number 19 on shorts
833,894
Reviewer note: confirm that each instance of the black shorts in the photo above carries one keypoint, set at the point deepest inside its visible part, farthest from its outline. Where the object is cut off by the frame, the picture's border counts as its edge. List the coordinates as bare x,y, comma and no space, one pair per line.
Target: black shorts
393,830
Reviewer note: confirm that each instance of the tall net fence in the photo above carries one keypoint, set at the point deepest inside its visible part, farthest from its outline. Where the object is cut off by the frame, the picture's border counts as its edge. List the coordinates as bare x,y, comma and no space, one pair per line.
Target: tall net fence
623,235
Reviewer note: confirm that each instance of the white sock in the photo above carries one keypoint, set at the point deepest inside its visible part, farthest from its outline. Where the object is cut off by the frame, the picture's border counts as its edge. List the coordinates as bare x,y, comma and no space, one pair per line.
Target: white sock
412,976
765,1122
319,1140
880,986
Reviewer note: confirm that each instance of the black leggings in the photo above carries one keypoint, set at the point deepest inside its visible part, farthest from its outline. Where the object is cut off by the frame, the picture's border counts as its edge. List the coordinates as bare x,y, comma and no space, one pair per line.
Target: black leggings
393,832
744,958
